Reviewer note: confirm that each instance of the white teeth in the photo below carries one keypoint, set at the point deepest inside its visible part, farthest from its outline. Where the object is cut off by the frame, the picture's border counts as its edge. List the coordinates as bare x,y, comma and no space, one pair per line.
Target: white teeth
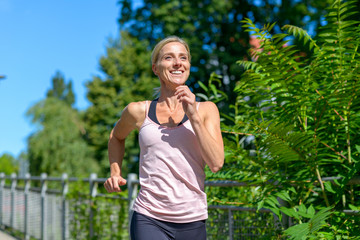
176,72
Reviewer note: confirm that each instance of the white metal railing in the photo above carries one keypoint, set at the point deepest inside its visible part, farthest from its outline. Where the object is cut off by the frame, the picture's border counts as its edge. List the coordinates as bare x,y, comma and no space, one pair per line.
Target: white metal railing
43,213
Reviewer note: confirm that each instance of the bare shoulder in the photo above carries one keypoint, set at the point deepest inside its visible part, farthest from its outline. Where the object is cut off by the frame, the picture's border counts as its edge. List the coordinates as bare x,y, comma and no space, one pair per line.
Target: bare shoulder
207,109
208,105
136,111
131,118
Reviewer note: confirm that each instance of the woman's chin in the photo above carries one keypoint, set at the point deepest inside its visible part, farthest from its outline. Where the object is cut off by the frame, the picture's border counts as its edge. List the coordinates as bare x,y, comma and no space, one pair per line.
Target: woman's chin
179,81
173,83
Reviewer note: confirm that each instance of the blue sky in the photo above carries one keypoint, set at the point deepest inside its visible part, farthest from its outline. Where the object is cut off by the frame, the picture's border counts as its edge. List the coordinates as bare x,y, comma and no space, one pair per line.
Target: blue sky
38,38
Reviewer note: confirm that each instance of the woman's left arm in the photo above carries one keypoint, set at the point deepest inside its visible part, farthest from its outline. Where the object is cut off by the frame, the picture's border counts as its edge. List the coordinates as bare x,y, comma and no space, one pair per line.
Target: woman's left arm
206,125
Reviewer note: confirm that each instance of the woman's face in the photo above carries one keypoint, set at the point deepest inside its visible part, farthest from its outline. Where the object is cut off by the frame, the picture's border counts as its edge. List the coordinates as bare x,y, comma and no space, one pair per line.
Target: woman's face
173,66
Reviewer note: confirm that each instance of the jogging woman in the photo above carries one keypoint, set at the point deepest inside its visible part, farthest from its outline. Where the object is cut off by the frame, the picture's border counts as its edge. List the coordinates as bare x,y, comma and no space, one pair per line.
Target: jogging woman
178,136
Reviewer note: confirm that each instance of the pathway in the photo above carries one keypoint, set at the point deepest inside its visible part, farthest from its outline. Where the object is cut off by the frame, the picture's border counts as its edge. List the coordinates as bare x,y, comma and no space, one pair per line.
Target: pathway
5,236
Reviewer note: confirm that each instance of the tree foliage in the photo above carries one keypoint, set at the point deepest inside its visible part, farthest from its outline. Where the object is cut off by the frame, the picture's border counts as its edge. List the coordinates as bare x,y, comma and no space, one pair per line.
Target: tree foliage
58,145
61,90
212,29
8,164
300,117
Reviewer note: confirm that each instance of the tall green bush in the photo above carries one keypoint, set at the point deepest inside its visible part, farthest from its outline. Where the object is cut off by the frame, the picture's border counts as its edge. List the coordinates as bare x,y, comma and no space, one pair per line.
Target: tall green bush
100,217
298,118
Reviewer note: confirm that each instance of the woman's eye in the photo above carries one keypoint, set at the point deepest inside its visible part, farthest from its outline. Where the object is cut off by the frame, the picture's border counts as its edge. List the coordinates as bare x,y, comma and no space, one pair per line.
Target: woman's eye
167,57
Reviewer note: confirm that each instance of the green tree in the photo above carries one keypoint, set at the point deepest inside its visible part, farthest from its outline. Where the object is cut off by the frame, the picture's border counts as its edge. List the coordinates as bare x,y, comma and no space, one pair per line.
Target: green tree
302,115
212,30
8,164
127,77
61,90
58,145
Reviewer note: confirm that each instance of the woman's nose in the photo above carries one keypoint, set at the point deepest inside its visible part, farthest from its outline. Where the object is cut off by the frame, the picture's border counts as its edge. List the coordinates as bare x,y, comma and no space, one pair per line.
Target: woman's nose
177,61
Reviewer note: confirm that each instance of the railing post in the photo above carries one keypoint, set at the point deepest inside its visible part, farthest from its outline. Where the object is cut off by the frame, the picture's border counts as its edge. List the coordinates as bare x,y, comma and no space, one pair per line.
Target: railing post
65,189
43,205
132,192
26,196
2,184
13,189
93,192
231,230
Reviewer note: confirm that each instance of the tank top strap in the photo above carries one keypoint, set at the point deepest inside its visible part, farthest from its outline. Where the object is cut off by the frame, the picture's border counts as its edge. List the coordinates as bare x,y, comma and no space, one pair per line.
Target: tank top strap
152,111
146,107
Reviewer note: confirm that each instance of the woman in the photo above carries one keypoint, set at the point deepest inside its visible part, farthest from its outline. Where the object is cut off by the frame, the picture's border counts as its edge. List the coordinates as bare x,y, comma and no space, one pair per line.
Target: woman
178,137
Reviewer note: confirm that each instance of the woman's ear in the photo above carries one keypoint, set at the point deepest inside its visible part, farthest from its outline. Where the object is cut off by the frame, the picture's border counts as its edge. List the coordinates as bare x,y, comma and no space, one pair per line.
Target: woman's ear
154,68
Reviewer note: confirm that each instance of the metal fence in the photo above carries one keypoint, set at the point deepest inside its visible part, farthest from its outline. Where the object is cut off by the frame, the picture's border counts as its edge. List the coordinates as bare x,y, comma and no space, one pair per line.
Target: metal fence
41,208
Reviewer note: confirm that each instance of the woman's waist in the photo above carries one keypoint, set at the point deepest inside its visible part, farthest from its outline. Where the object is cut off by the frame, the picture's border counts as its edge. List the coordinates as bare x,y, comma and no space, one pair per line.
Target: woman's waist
175,200
172,185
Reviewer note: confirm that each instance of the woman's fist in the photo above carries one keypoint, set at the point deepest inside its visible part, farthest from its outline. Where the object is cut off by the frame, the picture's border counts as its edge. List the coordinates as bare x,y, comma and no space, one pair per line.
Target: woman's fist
112,184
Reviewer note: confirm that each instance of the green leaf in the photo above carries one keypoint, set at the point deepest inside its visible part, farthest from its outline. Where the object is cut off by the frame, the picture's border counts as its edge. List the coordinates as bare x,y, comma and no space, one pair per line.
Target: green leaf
284,196
357,148
272,201
311,211
260,204
352,207
328,187
290,212
298,232
318,221
203,86
202,96
213,88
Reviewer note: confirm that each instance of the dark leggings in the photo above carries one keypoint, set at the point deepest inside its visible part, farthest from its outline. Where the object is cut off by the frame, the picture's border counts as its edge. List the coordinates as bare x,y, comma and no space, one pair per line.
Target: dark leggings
147,228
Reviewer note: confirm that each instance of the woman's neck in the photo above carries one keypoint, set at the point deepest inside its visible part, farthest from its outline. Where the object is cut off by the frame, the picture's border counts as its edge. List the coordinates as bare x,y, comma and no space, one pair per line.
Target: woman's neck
169,98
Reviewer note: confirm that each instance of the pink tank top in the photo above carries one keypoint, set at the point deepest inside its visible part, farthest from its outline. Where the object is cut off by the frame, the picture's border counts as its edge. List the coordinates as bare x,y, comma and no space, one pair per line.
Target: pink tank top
171,173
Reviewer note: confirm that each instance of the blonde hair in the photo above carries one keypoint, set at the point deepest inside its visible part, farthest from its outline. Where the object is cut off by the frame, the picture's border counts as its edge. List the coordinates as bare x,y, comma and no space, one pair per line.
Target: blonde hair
156,51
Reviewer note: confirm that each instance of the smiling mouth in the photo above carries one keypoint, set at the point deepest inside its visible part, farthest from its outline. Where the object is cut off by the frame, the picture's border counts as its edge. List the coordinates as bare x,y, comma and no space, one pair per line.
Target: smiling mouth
176,72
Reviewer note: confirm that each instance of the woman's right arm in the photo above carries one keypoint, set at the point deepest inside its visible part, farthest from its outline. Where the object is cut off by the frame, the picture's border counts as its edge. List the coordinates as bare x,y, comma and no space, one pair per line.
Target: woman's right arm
132,117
